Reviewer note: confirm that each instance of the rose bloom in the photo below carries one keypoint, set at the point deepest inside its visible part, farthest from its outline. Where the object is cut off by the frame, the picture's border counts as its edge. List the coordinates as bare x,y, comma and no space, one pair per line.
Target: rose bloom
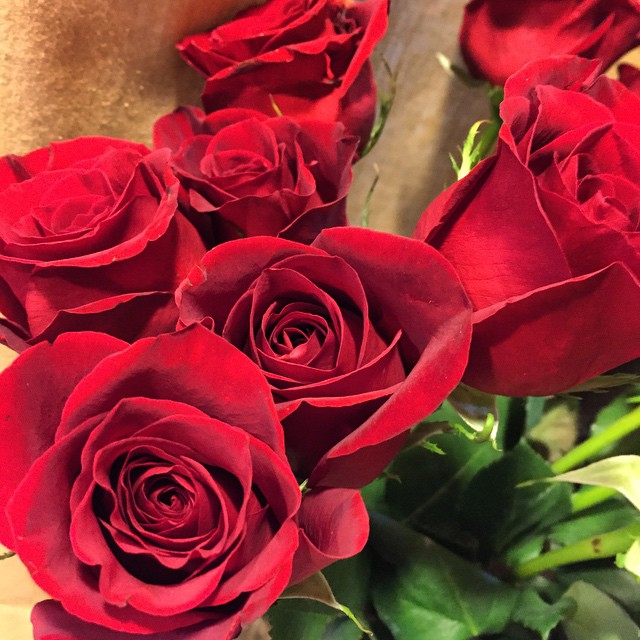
146,487
258,175
544,234
360,335
308,57
91,238
498,37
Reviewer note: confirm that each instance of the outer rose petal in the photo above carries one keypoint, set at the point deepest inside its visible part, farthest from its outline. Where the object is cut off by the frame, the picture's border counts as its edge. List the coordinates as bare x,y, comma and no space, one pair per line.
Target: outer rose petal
34,390
630,77
498,37
153,368
551,334
420,292
334,525
485,243
51,622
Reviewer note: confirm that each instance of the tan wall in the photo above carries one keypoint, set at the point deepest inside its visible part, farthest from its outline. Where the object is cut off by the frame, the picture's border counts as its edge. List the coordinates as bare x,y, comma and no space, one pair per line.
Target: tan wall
431,117
106,67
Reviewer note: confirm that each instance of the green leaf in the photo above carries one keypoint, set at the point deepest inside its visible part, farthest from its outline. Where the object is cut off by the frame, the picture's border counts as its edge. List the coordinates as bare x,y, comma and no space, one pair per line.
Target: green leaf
309,620
317,588
385,104
478,410
429,486
621,473
366,211
532,612
631,559
498,512
427,588
605,517
597,616
473,152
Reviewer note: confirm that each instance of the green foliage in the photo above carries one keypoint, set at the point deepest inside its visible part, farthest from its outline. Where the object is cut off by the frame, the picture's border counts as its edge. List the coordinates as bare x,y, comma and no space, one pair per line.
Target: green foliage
462,529
498,511
424,586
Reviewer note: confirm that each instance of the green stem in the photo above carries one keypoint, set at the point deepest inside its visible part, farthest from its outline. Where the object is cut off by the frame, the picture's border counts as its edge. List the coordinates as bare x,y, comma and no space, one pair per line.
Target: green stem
590,497
605,545
591,447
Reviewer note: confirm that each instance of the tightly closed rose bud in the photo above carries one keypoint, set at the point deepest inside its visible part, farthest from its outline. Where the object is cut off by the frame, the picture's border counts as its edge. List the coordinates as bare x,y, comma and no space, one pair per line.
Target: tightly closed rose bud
545,234
498,37
245,174
310,58
91,238
360,336
147,489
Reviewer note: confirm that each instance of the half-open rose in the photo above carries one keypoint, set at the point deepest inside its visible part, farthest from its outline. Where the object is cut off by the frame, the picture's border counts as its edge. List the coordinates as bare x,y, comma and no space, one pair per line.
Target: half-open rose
360,335
245,174
545,233
309,58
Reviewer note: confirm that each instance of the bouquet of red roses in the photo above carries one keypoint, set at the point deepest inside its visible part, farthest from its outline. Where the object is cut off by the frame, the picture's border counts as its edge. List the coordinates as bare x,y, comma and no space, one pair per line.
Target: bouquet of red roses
215,391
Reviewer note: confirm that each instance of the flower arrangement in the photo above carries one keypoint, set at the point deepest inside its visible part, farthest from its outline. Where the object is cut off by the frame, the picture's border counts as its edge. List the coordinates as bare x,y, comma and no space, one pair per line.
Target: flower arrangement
226,411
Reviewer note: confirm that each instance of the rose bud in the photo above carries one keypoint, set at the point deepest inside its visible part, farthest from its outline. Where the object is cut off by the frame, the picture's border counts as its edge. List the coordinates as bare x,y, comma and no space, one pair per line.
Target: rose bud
256,175
360,336
498,37
308,58
91,238
544,234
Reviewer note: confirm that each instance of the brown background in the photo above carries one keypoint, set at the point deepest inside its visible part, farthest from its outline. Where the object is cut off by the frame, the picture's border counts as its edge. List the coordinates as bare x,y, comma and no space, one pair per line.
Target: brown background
74,67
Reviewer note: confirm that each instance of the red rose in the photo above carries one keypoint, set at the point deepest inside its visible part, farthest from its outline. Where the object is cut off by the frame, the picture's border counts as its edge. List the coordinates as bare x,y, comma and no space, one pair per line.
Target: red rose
310,57
146,486
258,175
544,234
360,335
498,37
90,238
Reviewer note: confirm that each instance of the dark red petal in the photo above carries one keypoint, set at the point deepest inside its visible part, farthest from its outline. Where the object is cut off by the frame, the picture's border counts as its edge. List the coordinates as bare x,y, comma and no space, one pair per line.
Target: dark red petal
517,349
333,525
34,390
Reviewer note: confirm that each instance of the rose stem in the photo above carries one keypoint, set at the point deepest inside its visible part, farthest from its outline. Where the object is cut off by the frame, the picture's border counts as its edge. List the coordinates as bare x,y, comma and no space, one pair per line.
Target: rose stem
589,448
605,545
590,497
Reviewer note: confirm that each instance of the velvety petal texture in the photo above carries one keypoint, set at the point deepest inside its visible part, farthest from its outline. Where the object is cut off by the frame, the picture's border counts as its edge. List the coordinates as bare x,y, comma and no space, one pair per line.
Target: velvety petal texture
243,173
630,77
91,238
359,335
545,235
310,58
147,490
498,37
